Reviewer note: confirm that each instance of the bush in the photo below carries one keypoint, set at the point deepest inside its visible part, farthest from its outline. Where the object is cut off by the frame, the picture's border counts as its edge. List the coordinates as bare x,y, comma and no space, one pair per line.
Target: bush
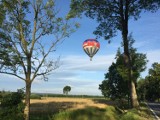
12,106
131,115
122,104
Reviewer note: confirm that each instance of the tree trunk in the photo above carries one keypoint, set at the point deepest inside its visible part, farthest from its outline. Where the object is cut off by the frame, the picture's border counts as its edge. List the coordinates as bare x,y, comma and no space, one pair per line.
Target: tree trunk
129,105
124,9
133,94
134,100
27,100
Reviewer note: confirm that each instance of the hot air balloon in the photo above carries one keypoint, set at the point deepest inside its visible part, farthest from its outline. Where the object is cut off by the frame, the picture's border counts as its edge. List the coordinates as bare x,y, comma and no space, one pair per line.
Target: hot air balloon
91,46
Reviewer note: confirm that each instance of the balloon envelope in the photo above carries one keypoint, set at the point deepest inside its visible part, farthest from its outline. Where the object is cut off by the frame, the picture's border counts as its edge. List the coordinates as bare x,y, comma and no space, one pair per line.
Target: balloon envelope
91,47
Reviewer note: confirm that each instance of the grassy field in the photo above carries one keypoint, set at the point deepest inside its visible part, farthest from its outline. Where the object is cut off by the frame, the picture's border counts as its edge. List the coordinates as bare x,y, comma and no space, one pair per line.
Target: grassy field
83,109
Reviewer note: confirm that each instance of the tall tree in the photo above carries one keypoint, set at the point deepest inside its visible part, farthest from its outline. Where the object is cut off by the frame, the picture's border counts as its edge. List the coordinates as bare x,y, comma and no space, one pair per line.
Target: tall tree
30,31
138,61
116,81
113,15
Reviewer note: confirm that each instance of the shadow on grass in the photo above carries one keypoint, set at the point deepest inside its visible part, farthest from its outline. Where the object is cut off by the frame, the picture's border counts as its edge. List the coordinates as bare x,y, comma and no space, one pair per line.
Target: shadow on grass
104,101
50,107
43,111
59,111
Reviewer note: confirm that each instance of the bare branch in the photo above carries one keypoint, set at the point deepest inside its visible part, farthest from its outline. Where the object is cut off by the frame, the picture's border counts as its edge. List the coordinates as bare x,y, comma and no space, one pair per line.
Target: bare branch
48,67
12,74
44,57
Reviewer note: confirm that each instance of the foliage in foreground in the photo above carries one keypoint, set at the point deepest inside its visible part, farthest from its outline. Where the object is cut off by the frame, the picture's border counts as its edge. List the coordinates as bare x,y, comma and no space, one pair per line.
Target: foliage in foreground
89,113
12,106
110,113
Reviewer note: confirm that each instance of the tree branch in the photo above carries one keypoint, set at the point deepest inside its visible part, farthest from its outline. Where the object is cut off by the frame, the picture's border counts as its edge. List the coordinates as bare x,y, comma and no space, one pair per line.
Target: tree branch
43,59
34,30
19,55
13,75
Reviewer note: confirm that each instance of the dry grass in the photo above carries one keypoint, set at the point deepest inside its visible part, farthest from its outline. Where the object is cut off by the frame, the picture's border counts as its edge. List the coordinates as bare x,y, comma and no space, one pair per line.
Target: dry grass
56,104
58,108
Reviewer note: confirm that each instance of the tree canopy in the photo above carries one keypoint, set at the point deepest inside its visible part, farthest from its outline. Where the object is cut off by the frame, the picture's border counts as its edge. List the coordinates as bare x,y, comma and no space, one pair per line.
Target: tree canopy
152,83
66,90
138,61
30,30
114,15
149,88
116,84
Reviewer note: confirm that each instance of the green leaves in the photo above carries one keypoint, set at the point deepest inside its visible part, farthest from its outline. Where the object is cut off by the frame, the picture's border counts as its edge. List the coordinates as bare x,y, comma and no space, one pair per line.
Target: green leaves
138,61
152,83
23,27
114,86
12,105
108,13
66,89
104,87
116,81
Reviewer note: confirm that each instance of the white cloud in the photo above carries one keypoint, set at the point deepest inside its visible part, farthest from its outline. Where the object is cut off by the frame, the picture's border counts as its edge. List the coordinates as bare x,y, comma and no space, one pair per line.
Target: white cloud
78,86
83,75
153,56
82,63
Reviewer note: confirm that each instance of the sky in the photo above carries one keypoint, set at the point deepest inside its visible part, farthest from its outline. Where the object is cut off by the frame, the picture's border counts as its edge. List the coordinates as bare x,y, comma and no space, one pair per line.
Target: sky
83,75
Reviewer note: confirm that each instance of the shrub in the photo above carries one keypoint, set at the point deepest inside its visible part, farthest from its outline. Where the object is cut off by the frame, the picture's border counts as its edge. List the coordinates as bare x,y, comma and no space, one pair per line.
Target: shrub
12,107
131,115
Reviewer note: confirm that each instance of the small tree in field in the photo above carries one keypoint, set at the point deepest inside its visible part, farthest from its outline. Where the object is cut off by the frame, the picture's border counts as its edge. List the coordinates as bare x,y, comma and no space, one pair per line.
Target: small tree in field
29,31
66,90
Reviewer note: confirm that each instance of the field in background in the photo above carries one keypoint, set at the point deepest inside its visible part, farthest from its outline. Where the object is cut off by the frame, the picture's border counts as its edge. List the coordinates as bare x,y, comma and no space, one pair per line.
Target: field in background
56,104
66,108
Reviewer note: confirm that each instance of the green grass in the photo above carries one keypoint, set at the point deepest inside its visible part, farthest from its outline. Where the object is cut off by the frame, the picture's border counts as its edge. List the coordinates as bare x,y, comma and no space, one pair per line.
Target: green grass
40,116
110,113
142,113
89,113
94,113
131,115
